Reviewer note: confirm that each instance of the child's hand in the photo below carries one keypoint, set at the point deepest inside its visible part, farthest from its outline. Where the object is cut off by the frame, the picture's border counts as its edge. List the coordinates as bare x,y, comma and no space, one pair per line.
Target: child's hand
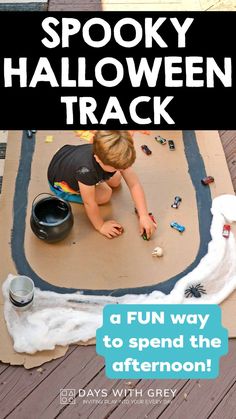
147,225
111,229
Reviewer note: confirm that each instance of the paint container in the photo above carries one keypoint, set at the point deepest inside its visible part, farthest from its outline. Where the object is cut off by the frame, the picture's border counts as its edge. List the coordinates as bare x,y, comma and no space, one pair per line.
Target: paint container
21,292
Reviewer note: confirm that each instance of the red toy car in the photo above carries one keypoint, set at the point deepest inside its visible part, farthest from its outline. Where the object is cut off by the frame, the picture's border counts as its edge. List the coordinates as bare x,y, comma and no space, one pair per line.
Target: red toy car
152,218
207,180
226,231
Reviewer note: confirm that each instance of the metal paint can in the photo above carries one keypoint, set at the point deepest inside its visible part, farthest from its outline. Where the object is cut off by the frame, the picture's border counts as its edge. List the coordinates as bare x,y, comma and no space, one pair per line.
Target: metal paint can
21,292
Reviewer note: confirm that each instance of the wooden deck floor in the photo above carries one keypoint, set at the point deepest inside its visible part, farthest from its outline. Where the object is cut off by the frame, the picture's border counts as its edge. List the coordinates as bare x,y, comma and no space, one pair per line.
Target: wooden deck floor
36,393
228,139
131,5
33,394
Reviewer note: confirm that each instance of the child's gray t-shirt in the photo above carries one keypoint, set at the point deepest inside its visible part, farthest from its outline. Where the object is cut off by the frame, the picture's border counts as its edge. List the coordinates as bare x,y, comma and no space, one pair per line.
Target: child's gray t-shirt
73,164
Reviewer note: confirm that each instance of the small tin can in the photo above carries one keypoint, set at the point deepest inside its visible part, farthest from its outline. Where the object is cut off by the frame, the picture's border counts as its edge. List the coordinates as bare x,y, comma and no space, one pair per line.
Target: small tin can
207,180
21,292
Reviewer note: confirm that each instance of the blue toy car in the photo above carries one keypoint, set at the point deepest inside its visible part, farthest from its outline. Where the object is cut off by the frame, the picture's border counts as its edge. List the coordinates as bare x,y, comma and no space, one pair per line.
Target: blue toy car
177,226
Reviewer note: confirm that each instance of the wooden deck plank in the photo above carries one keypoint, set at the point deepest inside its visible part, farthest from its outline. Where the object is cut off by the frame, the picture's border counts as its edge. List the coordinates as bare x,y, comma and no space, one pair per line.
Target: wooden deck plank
16,383
201,397
75,6
3,367
127,408
198,396
223,5
140,7
228,139
161,5
98,410
80,366
227,408
122,5
152,411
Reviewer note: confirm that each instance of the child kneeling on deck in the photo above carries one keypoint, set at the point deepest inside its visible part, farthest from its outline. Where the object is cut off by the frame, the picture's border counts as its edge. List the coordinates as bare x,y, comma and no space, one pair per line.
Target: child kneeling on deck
87,173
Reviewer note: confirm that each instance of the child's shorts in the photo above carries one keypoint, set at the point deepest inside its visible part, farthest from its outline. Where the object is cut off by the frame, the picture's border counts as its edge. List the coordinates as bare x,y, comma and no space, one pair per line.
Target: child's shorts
63,191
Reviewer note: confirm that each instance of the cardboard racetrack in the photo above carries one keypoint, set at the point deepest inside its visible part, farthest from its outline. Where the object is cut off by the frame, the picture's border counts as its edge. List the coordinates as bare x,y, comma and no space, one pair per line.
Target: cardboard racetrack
87,261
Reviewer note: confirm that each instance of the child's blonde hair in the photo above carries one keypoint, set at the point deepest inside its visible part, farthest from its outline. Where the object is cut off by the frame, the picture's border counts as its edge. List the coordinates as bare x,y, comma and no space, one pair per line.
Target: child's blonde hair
114,148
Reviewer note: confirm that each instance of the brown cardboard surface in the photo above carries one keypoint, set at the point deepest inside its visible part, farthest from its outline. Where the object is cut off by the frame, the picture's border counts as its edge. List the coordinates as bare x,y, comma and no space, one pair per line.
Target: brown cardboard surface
87,259
7,353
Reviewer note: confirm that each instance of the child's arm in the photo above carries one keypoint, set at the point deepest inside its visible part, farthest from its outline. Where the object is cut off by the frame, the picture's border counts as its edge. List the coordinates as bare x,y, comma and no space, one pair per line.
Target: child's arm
109,228
138,196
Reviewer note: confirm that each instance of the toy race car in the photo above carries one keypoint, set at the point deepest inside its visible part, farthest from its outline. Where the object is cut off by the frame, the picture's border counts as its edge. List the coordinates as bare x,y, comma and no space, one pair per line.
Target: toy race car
177,226
146,150
176,202
144,235
161,140
226,231
171,145
31,132
207,180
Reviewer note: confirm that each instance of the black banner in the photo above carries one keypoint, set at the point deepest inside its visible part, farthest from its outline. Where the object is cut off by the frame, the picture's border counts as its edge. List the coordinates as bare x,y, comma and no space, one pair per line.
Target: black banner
168,70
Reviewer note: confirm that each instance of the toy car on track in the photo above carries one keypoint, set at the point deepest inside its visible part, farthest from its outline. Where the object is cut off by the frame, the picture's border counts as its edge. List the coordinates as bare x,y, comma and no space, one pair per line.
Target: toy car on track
171,145
176,202
177,226
144,235
146,150
226,231
161,140
207,180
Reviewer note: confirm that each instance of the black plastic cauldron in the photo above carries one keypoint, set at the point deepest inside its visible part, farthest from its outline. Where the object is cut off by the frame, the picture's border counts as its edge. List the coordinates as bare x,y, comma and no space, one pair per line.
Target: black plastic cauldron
51,218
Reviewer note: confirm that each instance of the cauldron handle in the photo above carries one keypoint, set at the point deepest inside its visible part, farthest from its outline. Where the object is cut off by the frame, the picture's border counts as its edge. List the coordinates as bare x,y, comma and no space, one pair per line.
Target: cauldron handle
42,193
